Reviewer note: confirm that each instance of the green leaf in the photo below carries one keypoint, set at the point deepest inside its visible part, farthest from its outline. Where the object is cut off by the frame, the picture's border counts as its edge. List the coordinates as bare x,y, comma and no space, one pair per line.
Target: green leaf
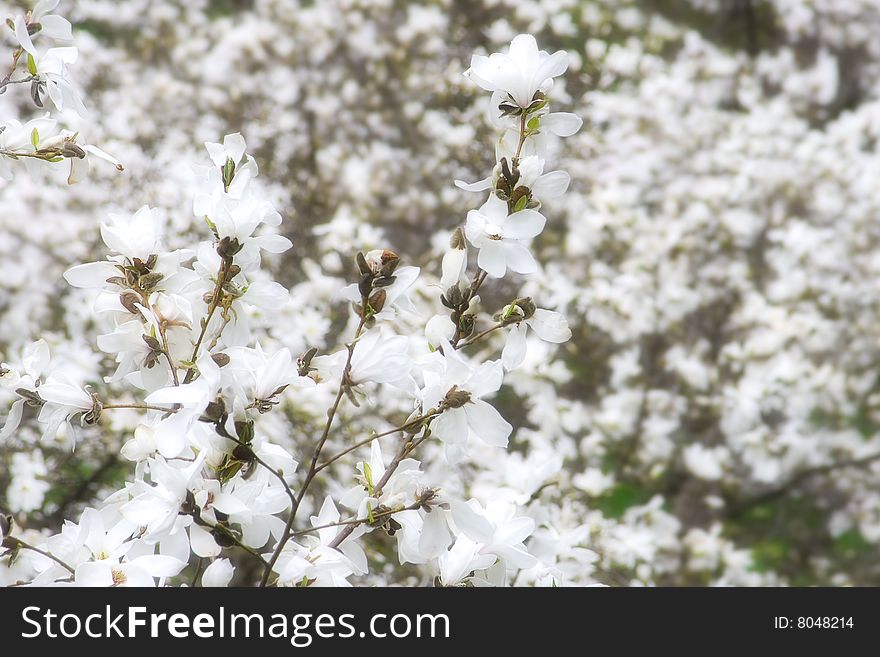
368,475
35,138
31,64
521,203
534,123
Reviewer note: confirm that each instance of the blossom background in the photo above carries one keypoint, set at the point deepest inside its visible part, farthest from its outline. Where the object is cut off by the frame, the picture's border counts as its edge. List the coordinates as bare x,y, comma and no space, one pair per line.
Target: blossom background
713,419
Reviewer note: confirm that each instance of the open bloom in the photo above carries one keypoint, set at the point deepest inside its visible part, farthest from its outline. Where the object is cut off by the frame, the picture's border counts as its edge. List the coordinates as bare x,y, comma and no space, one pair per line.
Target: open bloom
497,529
546,324
541,186
521,72
458,387
50,69
500,237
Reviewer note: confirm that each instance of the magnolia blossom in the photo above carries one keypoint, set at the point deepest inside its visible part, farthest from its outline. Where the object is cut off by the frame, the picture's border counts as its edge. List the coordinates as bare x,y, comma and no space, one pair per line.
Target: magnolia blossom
50,67
500,237
546,324
531,175
521,72
209,401
51,25
378,357
456,385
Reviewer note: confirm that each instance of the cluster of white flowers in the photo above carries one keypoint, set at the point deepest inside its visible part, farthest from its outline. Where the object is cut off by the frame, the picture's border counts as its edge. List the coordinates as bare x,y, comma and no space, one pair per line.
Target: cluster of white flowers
712,419
43,141
207,481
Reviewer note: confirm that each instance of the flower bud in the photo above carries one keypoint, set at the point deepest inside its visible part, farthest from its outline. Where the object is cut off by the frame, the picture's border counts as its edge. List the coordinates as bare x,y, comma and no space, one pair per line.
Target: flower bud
128,301
454,262
228,247
466,323
377,301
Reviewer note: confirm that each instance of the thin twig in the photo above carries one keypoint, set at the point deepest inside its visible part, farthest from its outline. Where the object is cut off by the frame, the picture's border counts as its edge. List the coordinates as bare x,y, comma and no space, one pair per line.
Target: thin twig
313,468
26,546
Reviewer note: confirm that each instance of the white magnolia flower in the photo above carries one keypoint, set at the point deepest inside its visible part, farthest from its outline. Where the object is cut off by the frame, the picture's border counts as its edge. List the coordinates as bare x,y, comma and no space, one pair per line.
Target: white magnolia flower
51,69
395,294
378,357
51,25
461,560
156,507
138,572
65,401
519,73
233,148
500,237
452,383
497,529
546,324
531,175
398,491
36,360
138,235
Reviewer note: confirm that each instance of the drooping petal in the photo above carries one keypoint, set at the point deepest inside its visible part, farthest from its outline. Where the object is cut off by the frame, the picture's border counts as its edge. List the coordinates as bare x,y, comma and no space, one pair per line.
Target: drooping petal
518,257
487,423
514,352
492,259
451,426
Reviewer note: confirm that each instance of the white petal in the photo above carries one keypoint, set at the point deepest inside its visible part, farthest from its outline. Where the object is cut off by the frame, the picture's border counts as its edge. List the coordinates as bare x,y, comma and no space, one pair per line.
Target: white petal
21,33
229,504
514,352
235,146
451,426
553,66
94,573
485,379
494,209
518,257
435,535
159,565
524,225
479,186
487,423
91,274
218,574
65,394
550,326
471,523
266,294
551,185
562,124
56,27
492,259
13,419
203,544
